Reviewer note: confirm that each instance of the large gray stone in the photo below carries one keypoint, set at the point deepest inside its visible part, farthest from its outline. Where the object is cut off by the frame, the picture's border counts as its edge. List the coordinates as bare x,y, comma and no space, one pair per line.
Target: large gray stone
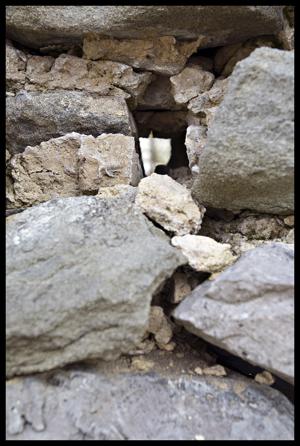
40,26
35,117
248,160
248,310
80,274
88,405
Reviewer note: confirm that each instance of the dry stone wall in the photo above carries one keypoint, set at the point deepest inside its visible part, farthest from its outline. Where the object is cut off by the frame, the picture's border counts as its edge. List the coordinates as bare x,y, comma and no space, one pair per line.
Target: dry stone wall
134,302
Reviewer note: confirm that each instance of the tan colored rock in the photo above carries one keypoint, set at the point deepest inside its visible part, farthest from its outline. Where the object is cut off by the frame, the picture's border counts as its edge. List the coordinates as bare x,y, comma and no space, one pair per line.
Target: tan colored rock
169,204
159,326
142,364
74,73
190,82
73,165
163,55
181,287
195,141
215,370
227,56
119,190
15,67
290,238
107,160
198,370
209,99
203,253
289,221
264,377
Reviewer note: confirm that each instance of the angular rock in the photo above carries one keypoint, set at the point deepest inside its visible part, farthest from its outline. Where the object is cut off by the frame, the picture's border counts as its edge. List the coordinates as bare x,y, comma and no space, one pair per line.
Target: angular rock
203,253
227,57
190,82
35,117
80,274
73,165
182,287
169,204
159,326
195,141
38,26
248,310
119,190
15,67
88,405
209,99
74,73
163,55
248,161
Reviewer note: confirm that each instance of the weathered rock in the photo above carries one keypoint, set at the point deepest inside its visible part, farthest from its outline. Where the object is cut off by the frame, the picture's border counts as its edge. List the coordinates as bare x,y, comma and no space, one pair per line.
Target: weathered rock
209,99
289,221
68,72
248,310
169,204
80,274
15,67
227,57
162,55
264,378
159,326
203,253
190,82
73,165
39,26
182,287
286,36
35,117
248,161
119,190
108,160
88,405
195,141
158,96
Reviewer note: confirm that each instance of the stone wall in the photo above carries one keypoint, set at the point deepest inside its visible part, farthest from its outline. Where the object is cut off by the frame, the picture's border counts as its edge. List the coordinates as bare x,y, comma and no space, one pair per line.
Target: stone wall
122,287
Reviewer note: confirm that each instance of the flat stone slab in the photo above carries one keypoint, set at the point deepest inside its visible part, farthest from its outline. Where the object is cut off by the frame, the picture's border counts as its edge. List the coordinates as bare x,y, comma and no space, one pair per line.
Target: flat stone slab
84,405
248,309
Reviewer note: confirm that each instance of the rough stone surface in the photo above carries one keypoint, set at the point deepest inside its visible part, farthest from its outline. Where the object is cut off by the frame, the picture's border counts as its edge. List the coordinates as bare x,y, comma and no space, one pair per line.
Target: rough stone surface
159,326
163,55
190,82
254,131
209,100
74,73
39,26
248,310
195,141
182,287
73,165
118,191
227,56
169,204
35,117
80,274
14,67
88,405
203,253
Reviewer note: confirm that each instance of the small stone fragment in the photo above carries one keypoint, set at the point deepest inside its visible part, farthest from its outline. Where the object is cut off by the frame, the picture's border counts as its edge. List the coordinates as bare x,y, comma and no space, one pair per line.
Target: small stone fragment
15,67
289,221
169,204
198,371
142,364
159,326
215,370
191,82
181,287
203,253
264,377
195,141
